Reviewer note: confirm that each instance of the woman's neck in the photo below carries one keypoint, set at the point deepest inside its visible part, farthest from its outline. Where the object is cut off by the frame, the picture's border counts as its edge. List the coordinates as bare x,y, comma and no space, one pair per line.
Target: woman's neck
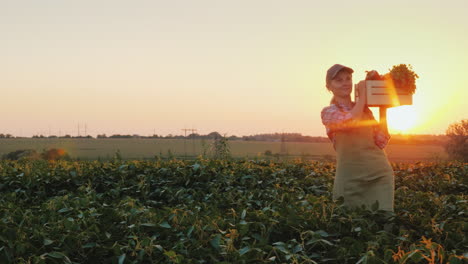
343,100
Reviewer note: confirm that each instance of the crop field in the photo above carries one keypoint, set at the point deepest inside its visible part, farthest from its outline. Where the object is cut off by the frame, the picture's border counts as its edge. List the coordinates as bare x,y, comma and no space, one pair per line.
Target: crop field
220,211
105,149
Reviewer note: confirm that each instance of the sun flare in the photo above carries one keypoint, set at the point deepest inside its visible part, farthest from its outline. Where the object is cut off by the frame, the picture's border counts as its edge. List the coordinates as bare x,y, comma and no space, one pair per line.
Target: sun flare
402,119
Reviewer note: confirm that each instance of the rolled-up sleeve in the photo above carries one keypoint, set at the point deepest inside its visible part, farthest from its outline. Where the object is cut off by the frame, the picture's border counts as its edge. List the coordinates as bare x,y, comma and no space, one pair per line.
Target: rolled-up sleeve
335,119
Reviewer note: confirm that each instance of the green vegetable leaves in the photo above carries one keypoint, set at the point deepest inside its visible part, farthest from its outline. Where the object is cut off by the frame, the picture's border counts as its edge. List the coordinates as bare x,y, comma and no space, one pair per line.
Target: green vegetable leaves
222,212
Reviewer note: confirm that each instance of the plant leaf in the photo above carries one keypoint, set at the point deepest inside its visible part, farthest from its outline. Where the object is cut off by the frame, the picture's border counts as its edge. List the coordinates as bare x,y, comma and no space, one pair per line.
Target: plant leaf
122,258
165,225
244,250
47,242
215,242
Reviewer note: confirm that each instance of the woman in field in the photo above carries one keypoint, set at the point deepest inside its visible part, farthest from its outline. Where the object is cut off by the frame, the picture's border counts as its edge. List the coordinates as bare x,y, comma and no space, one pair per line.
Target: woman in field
363,174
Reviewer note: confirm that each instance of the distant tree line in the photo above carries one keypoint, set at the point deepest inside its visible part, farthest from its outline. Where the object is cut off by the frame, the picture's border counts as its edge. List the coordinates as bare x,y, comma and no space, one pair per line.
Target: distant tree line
285,137
270,137
66,136
212,135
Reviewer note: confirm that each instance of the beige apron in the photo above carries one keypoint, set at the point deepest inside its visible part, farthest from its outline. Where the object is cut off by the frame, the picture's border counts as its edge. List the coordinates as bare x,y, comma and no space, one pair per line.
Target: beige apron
363,173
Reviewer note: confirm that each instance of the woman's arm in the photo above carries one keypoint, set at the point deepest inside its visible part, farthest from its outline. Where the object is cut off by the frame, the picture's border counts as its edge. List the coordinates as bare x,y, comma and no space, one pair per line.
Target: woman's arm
383,119
358,108
381,135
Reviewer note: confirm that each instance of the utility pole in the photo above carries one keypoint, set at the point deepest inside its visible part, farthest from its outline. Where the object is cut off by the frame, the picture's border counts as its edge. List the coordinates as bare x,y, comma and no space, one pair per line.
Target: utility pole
284,150
185,139
193,140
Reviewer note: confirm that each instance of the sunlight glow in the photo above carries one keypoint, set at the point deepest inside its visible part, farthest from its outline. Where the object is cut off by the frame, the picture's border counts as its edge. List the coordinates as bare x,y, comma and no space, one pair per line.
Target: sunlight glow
402,119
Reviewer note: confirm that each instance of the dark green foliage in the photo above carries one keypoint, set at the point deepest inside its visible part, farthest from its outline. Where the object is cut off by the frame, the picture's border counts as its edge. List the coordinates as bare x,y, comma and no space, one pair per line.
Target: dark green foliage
215,211
55,154
221,149
404,77
22,154
457,144
30,154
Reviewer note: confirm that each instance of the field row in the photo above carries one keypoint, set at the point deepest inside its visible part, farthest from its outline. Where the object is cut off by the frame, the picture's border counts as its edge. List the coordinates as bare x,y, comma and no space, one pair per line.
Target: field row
105,149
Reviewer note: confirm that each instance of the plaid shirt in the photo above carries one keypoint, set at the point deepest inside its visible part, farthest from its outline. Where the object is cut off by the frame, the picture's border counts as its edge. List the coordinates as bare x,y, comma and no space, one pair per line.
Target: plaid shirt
337,117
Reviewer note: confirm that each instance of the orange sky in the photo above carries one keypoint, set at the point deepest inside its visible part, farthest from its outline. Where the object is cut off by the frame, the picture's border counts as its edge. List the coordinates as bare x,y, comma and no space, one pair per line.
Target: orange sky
236,67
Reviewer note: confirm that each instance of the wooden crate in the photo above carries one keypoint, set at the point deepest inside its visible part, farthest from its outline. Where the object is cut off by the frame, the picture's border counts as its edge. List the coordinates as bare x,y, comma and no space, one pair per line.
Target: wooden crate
382,93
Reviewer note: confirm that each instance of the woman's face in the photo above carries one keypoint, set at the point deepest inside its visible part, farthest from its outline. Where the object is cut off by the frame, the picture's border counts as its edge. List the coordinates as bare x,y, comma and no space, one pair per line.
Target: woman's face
342,84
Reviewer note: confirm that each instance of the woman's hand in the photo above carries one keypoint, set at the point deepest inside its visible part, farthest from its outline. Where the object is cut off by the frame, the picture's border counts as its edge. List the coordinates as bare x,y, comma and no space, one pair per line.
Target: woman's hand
362,91
358,108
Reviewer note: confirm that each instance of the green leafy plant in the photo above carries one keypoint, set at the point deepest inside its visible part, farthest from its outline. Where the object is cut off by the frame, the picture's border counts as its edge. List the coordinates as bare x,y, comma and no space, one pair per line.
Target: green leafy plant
223,211
220,148
457,144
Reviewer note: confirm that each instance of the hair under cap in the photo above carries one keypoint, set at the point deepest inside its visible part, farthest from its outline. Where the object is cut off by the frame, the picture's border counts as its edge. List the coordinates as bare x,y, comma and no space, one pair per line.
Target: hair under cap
333,71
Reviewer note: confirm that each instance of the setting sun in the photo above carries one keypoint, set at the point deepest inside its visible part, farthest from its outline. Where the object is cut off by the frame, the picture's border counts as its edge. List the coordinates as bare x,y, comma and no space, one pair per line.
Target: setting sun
402,119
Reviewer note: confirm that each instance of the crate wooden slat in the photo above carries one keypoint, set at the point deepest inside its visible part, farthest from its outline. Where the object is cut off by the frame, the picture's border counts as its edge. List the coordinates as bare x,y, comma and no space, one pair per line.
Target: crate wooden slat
381,93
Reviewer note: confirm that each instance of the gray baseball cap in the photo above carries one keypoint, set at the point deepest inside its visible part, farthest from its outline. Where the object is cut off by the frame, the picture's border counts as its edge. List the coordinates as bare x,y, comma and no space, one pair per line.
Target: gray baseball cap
333,71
